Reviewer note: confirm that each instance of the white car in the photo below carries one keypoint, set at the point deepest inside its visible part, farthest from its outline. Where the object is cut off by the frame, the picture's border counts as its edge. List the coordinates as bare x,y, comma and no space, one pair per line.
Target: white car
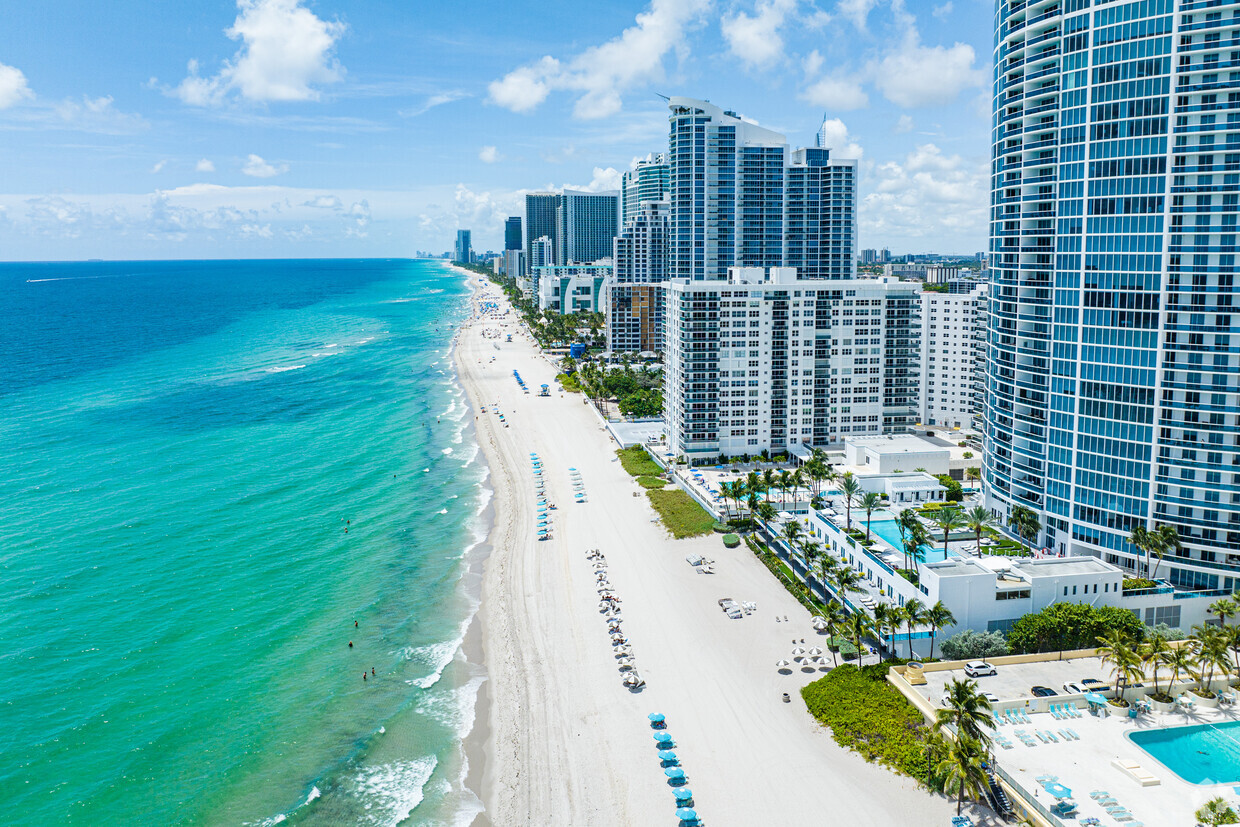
978,668
990,696
1075,689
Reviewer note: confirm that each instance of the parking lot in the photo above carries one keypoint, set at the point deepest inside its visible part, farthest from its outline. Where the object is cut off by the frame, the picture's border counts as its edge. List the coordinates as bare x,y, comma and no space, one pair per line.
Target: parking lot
1014,681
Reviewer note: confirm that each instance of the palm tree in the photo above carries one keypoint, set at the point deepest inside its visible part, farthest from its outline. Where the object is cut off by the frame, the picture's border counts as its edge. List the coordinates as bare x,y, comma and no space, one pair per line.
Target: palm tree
978,519
967,710
1224,608
792,532
845,580
907,523
886,620
768,482
914,546
948,520
972,473
810,550
938,616
1168,540
1153,653
961,770
915,613
833,614
857,627
1116,649
1210,653
751,501
1026,525
870,502
851,489
824,569
1180,661
1140,539
766,512
1233,640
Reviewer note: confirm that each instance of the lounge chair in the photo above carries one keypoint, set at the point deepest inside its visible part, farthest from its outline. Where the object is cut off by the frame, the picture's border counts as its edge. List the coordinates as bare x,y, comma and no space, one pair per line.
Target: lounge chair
1046,779
1072,734
1076,712
1055,713
1136,772
1050,736
998,721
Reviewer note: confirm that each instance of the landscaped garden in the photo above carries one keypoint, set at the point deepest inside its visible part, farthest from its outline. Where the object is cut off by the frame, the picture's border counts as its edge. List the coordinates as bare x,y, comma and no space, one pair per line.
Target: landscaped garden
681,514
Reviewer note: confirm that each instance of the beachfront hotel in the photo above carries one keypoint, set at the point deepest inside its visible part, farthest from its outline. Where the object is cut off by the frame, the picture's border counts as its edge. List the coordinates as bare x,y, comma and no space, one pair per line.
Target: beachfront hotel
764,361
1113,384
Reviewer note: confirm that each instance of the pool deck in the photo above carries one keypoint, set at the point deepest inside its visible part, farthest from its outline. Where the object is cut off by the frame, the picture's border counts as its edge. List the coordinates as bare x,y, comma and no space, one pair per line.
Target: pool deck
1085,765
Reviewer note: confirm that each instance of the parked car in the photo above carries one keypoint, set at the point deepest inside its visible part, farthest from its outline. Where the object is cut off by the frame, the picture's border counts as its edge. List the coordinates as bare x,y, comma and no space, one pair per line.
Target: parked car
977,668
1075,688
1094,685
990,696
1043,692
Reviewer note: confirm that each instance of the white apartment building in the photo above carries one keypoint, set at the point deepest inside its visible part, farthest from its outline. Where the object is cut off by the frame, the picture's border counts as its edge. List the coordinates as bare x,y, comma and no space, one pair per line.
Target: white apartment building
572,288
766,362
953,357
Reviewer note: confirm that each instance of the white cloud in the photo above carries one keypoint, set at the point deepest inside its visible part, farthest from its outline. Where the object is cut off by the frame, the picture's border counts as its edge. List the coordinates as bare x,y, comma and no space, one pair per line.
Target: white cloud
602,73
204,165
942,11
605,179
836,92
324,202
13,86
285,51
855,11
926,195
431,102
916,75
839,141
258,168
905,124
755,39
158,166
489,155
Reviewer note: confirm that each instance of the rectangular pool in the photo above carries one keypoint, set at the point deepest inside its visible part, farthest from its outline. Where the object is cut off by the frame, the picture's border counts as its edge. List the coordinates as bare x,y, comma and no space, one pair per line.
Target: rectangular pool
889,531
1202,754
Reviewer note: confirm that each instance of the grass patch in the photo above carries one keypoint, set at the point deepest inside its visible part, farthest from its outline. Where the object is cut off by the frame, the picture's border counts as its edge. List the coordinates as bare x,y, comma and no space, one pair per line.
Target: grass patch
731,540
681,514
651,482
638,463
867,714
568,381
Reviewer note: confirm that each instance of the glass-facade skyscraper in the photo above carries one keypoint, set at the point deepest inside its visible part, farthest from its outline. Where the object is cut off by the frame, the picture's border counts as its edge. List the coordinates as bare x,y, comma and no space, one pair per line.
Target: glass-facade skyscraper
1113,387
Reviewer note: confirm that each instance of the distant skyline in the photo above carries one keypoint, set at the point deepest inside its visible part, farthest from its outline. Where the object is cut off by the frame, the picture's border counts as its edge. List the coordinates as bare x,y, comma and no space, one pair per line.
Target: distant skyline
283,128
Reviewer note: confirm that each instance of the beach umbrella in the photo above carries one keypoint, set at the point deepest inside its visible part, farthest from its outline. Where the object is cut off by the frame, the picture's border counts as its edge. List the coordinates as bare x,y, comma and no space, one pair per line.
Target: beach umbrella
686,814
782,664
1095,698
815,651
1058,790
656,718
683,794
662,737
667,755
797,652
674,772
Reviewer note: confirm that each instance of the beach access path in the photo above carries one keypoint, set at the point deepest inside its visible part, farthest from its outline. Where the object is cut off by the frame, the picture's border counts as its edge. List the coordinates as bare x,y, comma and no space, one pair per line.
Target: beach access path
567,743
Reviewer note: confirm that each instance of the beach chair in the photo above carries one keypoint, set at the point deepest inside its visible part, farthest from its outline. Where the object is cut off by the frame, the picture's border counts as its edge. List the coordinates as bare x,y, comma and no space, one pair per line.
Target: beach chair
1064,735
1073,711
1046,779
1072,734
1055,713
998,721
1024,716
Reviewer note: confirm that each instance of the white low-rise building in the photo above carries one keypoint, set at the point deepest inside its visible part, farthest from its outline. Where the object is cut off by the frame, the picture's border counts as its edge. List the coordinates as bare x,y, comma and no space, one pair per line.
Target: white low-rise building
572,288
897,453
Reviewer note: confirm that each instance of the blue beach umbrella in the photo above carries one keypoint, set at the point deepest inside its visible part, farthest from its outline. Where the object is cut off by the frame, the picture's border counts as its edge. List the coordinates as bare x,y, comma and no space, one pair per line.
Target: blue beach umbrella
683,794
674,772
685,814
662,737
667,755
656,717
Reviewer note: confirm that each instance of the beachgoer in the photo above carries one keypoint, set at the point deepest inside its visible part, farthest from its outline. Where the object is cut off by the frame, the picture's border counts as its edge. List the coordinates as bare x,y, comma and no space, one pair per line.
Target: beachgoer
350,644
363,676
355,624
372,670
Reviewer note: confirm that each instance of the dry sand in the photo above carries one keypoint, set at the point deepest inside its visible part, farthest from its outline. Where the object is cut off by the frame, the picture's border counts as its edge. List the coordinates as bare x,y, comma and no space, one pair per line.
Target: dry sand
566,742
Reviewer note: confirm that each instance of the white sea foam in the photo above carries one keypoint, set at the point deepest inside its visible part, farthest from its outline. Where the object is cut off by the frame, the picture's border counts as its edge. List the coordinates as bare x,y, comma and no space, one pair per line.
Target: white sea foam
282,369
455,708
446,451
442,511
314,793
392,791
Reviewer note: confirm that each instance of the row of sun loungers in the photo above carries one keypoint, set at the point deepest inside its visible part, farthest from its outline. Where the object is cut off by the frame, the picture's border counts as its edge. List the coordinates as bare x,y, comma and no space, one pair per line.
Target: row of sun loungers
1045,736
1112,807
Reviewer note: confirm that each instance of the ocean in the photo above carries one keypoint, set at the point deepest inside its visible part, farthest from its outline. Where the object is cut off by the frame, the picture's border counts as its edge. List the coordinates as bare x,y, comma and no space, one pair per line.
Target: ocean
214,478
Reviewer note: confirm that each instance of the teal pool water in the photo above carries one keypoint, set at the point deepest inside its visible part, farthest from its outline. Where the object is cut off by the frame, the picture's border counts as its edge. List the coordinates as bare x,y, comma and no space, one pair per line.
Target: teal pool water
889,531
1203,754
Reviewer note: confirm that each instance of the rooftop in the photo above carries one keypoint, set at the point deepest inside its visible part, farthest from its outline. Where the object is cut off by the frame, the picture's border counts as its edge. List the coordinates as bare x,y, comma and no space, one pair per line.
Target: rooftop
1059,566
904,443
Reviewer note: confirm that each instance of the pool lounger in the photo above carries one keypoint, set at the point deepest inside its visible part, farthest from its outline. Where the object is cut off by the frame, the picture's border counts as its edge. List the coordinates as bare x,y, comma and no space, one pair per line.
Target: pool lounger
1136,772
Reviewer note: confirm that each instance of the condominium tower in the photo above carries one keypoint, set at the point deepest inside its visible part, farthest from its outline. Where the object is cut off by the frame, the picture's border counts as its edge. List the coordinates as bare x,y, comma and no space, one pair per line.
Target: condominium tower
580,225
1113,396
740,197
646,182
463,254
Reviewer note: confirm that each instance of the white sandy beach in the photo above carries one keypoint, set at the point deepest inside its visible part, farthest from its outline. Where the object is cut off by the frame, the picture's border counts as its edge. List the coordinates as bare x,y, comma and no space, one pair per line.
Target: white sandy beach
567,743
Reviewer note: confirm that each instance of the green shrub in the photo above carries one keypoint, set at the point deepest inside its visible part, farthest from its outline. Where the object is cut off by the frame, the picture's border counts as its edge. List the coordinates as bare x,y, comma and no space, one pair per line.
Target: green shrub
1133,583
731,540
651,482
1066,626
637,462
867,714
681,514
569,382
971,645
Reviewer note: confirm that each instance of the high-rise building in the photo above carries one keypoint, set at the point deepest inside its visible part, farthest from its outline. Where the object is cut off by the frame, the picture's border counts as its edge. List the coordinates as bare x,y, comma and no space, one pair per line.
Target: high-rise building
647,181
953,356
464,249
869,256
765,361
739,197
586,224
635,304
1114,368
512,233
540,220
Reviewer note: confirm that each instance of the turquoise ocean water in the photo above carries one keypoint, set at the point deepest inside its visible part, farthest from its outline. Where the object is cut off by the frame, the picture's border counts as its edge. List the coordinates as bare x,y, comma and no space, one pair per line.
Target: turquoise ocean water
182,447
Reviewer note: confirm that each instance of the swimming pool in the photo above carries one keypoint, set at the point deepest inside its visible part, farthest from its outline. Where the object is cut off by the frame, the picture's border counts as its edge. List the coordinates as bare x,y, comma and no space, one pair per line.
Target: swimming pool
1202,754
889,531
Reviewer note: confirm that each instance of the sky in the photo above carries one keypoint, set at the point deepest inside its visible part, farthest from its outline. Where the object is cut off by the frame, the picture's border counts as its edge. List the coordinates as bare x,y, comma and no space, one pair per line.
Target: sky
342,128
